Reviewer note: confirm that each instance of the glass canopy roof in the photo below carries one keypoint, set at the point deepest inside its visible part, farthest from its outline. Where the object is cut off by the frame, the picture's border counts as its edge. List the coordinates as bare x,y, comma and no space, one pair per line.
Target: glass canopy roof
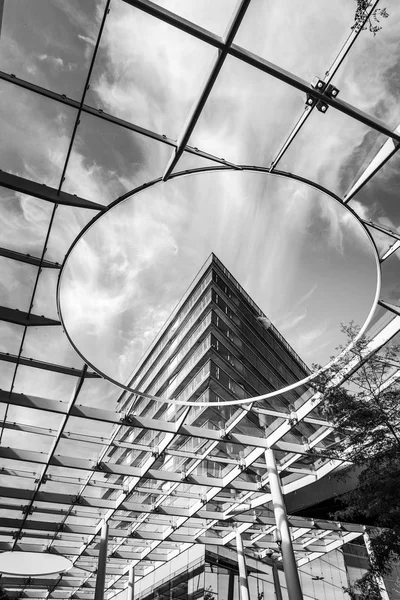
99,98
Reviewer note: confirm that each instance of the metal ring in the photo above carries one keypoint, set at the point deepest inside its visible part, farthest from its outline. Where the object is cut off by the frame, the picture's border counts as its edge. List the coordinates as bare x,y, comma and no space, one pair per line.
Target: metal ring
249,400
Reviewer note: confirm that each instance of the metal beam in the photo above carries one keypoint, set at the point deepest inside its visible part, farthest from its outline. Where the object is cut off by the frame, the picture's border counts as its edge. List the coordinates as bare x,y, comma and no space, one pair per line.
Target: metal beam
379,227
44,192
27,258
39,364
19,317
100,114
327,79
206,91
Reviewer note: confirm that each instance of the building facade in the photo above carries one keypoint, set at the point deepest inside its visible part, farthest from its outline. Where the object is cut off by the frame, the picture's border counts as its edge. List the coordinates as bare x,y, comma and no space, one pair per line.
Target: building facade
218,346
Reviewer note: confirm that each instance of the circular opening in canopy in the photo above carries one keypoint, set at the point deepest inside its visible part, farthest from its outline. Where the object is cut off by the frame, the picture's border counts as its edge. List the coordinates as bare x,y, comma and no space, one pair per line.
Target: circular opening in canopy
32,563
278,264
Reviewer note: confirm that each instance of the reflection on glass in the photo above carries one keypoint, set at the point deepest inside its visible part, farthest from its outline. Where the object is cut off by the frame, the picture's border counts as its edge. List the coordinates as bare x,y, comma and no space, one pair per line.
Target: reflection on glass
240,106
50,43
368,76
307,42
35,135
332,149
285,265
146,71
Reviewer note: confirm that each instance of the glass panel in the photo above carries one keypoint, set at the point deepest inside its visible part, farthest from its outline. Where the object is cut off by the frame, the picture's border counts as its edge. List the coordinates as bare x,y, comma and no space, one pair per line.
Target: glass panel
99,393
6,375
10,337
16,284
25,222
108,160
45,421
27,441
129,270
214,16
45,296
147,72
67,223
47,384
368,74
58,60
50,345
390,279
299,35
87,427
377,200
35,134
229,130
331,149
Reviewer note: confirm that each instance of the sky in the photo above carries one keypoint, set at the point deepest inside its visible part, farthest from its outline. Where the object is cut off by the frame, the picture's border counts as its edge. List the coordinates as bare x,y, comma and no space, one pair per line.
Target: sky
118,289
150,73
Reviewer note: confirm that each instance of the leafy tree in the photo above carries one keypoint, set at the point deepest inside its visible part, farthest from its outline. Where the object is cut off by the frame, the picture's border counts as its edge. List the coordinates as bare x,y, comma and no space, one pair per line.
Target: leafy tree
373,22
365,412
3,594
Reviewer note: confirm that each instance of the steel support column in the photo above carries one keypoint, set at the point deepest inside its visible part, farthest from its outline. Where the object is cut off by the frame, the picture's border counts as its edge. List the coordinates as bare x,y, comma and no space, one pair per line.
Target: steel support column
288,558
243,583
378,578
277,583
101,566
231,585
131,585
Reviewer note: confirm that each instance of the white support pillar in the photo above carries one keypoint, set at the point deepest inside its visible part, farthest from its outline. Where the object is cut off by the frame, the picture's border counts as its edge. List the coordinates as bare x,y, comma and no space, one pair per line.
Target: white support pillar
102,563
378,578
243,583
288,558
131,585
277,583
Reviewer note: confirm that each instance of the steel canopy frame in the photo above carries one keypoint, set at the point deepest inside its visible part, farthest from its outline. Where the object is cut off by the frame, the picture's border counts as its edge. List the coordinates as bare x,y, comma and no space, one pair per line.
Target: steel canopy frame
142,546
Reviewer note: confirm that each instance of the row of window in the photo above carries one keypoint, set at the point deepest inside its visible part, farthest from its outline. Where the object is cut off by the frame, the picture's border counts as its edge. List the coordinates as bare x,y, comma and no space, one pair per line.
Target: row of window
172,327
249,312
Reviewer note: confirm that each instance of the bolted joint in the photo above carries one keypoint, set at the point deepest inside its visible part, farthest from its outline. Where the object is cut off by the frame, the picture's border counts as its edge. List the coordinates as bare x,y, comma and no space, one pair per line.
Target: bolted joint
127,419
242,464
322,106
184,476
262,485
310,100
318,84
331,91
224,435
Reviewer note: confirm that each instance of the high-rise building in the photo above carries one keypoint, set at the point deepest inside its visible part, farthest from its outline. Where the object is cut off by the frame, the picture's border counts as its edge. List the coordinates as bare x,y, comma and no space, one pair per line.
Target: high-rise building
218,346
